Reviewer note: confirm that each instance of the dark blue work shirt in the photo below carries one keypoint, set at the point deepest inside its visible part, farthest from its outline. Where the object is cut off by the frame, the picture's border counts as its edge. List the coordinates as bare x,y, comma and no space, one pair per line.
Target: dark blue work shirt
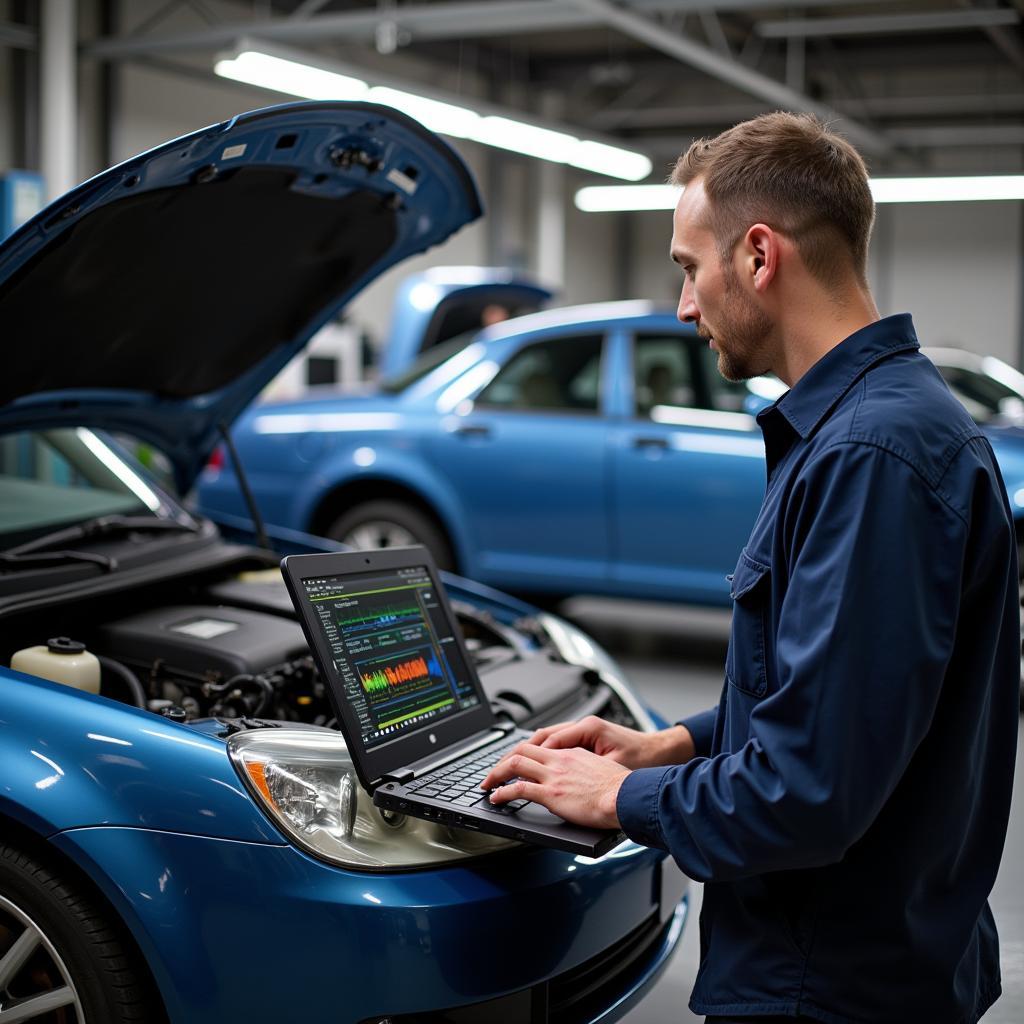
849,801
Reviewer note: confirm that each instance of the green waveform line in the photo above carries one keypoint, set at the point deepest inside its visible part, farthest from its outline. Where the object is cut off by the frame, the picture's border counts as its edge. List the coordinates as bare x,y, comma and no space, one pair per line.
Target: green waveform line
377,615
418,711
376,682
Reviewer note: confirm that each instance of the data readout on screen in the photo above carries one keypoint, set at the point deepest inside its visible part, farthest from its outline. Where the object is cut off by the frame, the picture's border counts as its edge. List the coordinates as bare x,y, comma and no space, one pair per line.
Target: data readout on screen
392,646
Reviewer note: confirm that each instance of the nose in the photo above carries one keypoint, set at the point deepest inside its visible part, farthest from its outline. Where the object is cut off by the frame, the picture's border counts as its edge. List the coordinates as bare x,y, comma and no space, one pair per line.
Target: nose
688,312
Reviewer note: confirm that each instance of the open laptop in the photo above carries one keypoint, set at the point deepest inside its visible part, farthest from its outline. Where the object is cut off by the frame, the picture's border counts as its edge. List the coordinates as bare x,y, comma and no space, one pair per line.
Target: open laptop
418,724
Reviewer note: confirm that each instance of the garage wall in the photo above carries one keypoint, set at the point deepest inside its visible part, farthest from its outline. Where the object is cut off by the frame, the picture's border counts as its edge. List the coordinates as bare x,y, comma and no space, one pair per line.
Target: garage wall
7,108
958,267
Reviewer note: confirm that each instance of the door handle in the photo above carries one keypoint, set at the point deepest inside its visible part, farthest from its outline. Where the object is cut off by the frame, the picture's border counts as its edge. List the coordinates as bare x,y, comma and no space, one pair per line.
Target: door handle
650,442
473,430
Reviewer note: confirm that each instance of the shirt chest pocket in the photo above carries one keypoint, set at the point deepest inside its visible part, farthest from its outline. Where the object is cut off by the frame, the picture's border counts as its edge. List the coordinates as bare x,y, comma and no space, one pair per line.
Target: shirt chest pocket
746,663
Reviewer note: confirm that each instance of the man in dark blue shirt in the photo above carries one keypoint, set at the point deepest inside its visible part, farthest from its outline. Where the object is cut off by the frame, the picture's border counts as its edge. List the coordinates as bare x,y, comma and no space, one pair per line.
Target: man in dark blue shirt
846,803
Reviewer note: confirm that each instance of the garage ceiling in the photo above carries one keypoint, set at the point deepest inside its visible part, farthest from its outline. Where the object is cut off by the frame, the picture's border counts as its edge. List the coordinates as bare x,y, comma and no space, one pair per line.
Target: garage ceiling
920,85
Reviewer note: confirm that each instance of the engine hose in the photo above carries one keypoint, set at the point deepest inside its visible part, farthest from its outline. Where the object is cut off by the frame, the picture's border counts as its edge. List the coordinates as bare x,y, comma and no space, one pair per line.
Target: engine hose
260,683
128,677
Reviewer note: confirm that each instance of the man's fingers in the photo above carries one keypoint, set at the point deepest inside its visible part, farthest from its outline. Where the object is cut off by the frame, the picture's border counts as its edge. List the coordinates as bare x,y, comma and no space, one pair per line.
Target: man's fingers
525,760
542,734
575,734
519,790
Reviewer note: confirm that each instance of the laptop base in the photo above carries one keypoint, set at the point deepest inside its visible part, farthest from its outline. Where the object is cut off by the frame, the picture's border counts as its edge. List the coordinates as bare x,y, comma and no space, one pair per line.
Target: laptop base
532,824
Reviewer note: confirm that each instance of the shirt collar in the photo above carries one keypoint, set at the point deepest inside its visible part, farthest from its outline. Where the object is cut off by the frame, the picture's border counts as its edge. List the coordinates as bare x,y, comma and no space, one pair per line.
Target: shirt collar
815,394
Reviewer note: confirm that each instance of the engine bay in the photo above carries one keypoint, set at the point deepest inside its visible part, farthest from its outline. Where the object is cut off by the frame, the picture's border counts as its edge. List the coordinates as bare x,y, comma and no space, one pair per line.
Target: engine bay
231,648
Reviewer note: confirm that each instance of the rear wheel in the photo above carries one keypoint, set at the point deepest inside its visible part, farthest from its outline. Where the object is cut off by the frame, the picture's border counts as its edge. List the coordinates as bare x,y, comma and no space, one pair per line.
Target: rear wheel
62,961
391,524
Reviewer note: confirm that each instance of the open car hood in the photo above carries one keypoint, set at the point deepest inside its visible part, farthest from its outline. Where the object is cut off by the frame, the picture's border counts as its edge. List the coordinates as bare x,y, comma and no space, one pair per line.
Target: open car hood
159,297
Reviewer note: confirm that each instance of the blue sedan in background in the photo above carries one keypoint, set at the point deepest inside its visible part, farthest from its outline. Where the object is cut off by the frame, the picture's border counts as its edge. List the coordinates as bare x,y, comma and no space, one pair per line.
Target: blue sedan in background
593,449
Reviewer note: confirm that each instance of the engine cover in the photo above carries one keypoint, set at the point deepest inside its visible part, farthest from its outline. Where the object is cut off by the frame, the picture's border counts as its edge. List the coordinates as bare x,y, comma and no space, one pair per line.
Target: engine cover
200,640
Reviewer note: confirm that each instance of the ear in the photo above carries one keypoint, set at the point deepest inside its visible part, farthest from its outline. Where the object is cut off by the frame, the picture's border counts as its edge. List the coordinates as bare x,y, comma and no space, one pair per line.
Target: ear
760,255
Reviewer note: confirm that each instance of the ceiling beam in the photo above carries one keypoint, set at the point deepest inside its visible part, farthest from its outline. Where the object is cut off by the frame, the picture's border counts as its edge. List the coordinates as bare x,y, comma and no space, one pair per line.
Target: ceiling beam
676,6
714,114
883,24
731,71
445,20
941,136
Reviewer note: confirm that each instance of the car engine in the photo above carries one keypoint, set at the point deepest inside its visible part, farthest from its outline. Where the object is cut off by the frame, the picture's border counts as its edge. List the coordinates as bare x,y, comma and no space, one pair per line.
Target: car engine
232,649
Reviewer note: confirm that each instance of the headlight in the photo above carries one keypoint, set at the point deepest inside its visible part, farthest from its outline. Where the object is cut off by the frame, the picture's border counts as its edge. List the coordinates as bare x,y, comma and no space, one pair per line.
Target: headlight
303,778
579,649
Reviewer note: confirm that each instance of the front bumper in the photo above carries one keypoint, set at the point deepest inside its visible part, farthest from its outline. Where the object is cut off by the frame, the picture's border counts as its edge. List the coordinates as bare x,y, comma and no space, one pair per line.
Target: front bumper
258,932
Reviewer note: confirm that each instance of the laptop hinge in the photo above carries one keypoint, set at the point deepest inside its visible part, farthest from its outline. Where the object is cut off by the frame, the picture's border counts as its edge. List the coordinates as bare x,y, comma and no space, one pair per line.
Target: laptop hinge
423,766
399,775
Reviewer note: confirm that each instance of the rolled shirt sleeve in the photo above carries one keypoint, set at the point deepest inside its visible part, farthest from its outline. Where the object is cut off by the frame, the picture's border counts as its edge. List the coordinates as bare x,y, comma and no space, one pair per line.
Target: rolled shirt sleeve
863,630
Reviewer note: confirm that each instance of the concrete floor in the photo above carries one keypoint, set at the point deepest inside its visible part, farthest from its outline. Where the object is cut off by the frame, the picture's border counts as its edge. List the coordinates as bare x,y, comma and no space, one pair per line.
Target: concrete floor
674,656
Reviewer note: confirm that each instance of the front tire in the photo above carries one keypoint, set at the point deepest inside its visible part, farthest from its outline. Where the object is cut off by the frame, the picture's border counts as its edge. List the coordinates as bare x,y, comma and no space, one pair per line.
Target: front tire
391,524
62,960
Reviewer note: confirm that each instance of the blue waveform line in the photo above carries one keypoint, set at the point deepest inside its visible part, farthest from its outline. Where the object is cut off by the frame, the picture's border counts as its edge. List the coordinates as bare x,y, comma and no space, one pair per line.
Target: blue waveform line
379,623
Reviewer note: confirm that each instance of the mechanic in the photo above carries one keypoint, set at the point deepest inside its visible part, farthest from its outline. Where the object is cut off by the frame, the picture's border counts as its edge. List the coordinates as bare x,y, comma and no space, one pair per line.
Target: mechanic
846,803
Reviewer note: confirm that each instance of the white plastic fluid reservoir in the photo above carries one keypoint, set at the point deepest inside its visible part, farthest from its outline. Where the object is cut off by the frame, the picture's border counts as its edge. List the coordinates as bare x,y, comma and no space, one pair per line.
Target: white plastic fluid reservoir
61,660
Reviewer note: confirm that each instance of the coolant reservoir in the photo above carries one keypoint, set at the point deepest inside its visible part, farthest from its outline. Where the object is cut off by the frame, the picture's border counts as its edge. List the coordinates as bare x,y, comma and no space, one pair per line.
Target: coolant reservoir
62,660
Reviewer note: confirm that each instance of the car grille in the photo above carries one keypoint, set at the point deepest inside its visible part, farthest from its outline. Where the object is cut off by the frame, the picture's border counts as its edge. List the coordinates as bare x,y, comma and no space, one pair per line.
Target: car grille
577,995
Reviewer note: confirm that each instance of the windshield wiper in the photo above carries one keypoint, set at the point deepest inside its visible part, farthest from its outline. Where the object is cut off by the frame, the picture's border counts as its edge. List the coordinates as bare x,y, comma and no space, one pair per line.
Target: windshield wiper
102,526
10,561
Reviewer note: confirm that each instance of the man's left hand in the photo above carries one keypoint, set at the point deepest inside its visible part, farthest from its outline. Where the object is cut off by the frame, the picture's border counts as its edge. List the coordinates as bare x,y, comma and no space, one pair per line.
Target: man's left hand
575,784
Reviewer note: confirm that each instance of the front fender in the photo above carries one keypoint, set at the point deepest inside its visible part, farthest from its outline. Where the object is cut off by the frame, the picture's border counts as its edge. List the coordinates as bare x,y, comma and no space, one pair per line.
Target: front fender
73,760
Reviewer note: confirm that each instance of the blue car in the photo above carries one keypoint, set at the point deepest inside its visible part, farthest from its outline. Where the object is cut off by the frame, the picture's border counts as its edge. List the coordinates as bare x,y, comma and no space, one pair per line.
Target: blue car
593,449
181,835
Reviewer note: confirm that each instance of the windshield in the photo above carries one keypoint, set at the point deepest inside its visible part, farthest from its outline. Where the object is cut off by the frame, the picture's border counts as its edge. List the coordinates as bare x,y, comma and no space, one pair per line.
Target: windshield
429,360
55,478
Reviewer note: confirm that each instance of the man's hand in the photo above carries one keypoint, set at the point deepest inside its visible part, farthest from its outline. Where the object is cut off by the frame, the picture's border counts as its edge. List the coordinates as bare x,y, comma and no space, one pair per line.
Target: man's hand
575,784
628,747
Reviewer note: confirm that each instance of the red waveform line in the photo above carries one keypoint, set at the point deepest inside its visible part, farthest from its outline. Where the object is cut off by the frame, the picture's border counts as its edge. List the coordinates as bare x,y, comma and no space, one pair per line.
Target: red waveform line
403,672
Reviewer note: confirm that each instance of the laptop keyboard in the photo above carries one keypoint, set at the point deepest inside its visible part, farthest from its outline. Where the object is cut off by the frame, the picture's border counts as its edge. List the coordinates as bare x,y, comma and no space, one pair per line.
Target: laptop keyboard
458,783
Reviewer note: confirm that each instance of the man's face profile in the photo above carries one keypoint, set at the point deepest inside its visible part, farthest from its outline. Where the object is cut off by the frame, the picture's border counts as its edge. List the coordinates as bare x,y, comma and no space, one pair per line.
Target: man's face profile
713,297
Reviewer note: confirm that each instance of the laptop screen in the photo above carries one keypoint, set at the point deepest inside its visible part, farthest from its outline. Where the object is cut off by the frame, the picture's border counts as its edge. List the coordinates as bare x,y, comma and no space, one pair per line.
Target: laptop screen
393,648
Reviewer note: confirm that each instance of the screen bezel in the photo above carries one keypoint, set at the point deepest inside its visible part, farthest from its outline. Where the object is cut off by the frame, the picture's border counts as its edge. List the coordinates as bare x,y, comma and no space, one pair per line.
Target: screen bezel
372,764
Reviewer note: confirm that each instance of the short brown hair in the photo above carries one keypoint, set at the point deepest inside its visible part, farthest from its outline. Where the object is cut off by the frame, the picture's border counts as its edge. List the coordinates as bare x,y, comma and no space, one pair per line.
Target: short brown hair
790,172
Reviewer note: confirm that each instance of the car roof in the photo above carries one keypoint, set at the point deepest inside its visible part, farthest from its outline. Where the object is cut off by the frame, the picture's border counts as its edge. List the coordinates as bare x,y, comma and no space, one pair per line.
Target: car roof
585,315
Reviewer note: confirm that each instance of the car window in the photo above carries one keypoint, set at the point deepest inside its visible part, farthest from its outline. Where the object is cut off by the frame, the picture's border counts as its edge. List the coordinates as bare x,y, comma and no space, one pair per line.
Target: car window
723,395
560,374
986,399
662,372
60,477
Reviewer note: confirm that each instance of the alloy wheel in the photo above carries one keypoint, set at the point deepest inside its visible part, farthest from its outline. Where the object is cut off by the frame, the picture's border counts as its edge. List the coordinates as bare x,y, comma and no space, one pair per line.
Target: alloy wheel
35,984
378,534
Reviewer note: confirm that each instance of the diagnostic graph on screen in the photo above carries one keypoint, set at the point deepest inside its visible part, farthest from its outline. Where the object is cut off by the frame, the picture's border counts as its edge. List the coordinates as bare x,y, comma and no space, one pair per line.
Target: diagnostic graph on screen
404,687
396,658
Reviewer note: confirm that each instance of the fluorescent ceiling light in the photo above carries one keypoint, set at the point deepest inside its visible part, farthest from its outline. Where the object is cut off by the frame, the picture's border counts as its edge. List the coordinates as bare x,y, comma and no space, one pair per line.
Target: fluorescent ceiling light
520,137
610,160
618,198
613,198
291,77
446,118
948,190
297,78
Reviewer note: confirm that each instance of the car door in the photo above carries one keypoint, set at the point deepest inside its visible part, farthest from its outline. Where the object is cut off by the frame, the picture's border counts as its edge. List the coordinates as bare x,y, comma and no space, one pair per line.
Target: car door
688,473
528,460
